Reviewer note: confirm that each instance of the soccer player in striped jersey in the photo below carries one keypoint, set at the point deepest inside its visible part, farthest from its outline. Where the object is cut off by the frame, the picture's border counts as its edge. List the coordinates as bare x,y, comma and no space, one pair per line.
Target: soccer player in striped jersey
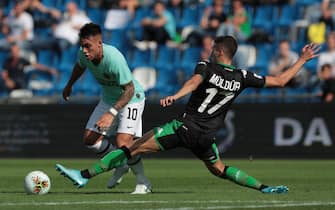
213,88
121,106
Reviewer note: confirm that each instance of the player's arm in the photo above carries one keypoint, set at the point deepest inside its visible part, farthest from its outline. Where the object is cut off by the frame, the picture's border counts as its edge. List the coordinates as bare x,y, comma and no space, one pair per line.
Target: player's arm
308,52
128,93
189,86
75,75
106,119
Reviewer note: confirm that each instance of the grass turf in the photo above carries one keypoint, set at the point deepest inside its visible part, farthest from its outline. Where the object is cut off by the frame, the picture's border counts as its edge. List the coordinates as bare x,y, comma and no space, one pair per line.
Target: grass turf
178,184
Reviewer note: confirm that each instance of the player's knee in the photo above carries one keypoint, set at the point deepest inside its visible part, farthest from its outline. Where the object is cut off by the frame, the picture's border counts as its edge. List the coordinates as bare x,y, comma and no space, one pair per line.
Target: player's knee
90,138
124,140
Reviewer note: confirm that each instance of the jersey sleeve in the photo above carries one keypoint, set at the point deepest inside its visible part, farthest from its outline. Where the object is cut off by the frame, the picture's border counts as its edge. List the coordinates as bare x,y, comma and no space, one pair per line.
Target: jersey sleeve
252,79
200,68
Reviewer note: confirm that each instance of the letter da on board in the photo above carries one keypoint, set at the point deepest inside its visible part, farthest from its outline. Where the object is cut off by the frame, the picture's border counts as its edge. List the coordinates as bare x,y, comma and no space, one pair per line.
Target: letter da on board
317,132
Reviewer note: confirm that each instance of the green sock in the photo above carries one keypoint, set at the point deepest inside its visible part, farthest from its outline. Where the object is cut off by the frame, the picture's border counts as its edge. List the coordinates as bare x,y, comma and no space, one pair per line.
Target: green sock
111,160
242,178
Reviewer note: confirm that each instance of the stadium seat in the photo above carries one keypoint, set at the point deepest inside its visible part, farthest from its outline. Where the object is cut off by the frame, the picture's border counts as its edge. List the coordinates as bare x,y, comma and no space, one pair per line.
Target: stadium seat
264,51
269,95
3,56
41,83
190,17
263,18
135,25
88,86
117,38
295,95
68,58
166,82
141,58
189,58
248,95
47,57
146,76
285,21
96,15
312,66
166,56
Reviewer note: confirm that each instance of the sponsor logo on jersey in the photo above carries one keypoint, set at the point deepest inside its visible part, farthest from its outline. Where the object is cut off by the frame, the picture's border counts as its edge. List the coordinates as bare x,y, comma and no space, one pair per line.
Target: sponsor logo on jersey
225,84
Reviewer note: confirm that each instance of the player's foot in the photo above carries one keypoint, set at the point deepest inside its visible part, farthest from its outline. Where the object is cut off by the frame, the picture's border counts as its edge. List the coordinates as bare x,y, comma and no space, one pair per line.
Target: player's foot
276,189
117,176
142,189
73,175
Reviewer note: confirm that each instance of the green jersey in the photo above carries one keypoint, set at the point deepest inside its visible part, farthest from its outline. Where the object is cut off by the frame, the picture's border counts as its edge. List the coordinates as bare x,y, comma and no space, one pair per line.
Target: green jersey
111,73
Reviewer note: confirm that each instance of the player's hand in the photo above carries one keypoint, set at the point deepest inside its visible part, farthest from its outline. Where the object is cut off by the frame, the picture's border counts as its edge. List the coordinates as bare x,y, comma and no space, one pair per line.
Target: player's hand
167,101
310,51
105,122
67,92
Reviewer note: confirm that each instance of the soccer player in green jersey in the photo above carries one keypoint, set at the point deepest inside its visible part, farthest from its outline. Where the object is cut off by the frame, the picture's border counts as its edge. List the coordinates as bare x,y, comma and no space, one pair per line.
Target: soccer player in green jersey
121,106
214,86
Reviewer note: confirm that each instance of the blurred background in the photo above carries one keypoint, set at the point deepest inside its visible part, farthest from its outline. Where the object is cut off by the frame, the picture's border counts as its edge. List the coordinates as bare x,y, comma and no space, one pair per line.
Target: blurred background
39,44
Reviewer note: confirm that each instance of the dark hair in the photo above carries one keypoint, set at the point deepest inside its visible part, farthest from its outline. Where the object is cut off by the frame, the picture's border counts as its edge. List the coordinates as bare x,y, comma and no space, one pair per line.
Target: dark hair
325,66
228,44
89,29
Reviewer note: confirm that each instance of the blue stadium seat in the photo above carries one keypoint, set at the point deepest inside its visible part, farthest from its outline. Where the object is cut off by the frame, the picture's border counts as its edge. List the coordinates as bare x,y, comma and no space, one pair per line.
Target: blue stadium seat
68,58
248,95
88,85
62,81
47,57
166,82
263,18
166,56
264,53
117,38
270,95
286,18
41,83
312,66
135,24
52,3
96,15
3,56
190,17
189,59
141,58
295,95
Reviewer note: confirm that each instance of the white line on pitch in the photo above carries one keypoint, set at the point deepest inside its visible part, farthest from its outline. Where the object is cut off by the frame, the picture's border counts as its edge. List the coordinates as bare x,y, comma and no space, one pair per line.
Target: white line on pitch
262,204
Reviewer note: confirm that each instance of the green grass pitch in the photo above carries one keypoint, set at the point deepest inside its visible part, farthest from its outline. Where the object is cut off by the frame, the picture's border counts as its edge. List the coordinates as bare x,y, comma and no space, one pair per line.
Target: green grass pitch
178,185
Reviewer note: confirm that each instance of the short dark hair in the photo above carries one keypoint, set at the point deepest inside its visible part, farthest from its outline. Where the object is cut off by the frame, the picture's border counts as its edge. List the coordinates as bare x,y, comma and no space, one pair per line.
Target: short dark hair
228,44
325,66
89,29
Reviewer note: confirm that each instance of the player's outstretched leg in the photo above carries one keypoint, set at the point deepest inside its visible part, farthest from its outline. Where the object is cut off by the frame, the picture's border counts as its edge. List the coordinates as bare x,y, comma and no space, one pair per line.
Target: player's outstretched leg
72,174
240,177
111,160
275,189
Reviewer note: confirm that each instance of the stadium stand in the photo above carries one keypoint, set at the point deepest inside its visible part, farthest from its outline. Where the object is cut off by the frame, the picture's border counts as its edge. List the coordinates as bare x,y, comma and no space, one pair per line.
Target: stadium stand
175,62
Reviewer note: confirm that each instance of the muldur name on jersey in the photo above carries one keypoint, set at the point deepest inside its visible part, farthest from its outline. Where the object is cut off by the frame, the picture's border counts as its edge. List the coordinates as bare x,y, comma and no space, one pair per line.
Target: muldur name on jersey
225,84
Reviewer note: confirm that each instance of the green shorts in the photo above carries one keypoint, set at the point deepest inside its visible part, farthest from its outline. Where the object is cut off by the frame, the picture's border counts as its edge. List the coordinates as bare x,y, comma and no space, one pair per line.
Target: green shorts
176,134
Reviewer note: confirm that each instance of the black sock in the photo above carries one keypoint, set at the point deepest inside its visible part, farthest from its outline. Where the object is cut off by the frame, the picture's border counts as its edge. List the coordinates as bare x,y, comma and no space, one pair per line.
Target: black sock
263,186
126,151
85,174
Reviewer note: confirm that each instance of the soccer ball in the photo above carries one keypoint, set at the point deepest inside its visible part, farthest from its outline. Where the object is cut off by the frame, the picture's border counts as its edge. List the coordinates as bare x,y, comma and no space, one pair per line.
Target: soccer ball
37,182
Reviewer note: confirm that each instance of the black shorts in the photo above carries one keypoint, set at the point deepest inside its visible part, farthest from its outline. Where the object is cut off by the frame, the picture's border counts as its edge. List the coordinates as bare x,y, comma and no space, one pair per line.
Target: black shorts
176,134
